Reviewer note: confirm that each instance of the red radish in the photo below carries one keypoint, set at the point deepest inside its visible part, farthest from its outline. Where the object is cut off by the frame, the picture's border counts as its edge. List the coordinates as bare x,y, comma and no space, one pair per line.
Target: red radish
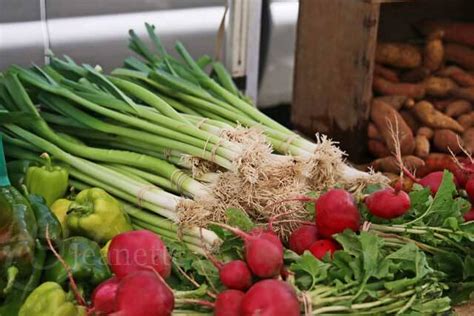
267,234
143,293
302,238
321,247
270,298
388,203
264,255
432,181
470,188
335,212
103,297
469,216
461,176
228,303
234,274
138,250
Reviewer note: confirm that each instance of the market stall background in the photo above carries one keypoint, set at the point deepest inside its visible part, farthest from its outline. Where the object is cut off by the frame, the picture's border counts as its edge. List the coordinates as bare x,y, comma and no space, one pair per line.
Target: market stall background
97,31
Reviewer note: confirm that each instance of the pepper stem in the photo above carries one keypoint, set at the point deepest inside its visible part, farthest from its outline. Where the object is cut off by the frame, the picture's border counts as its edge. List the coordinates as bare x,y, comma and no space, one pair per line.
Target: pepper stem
79,209
47,161
24,188
12,272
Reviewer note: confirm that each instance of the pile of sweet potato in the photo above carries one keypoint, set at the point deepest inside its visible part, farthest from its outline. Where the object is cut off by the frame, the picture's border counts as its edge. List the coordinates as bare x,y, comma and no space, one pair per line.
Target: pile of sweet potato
425,94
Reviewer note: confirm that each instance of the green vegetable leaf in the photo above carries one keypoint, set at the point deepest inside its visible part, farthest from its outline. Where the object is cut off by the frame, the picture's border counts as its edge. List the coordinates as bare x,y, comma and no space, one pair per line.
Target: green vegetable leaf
349,242
370,245
309,270
442,206
310,206
411,259
238,218
371,188
420,199
468,271
207,271
450,263
435,211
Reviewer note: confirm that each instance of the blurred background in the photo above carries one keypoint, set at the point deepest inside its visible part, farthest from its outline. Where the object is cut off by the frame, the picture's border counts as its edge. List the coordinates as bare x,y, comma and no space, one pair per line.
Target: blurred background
96,31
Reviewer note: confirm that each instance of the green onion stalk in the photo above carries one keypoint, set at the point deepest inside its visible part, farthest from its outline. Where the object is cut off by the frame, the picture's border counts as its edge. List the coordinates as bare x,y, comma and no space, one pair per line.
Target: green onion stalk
172,134
218,99
40,127
183,88
161,206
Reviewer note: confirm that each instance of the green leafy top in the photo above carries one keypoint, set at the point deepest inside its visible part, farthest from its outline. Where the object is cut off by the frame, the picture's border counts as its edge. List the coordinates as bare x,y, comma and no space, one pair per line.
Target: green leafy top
364,259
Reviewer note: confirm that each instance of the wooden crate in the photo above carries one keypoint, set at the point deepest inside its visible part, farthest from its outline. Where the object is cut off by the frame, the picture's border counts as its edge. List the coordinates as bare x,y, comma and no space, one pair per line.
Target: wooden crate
335,49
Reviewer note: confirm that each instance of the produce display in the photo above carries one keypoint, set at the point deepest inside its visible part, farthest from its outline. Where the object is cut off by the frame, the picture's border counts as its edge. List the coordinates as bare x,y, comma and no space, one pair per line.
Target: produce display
428,88
159,189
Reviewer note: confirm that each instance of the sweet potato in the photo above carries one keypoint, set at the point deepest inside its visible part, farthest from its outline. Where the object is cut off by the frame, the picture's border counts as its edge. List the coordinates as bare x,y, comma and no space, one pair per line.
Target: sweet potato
373,132
390,164
438,86
422,146
426,132
461,77
409,104
457,108
377,148
399,55
415,75
396,101
433,53
466,120
441,105
411,120
430,117
459,32
468,140
460,54
464,93
383,115
386,73
385,87
445,139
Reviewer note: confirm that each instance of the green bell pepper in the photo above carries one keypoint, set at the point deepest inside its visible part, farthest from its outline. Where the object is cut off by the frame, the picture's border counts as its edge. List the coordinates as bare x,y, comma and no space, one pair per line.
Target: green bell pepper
97,215
17,230
49,181
20,253
45,218
17,171
83,257
23,287
49,299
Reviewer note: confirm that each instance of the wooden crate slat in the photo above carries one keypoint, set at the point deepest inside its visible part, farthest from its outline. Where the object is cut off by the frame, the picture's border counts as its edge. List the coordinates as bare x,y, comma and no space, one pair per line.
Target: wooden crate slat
333,70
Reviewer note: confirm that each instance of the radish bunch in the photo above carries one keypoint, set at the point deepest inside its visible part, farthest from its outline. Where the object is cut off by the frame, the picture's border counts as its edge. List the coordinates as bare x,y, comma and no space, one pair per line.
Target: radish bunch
140,262
264,260
335,211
